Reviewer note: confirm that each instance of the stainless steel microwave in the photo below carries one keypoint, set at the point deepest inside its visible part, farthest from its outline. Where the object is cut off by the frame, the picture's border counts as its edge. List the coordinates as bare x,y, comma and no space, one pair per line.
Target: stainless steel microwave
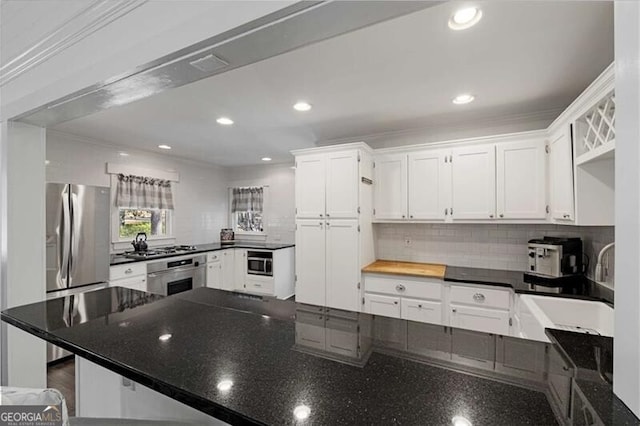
260,263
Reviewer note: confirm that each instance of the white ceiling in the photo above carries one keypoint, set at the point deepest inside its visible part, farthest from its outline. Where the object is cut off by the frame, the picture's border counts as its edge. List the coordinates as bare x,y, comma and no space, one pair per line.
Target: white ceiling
522,58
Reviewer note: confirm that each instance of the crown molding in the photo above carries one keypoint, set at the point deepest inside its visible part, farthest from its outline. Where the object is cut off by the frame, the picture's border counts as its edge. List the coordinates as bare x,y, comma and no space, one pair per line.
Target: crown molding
452,125
92,18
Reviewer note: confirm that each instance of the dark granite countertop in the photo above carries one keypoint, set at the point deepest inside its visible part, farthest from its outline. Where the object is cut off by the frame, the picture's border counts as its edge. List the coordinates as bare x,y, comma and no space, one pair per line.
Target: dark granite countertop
221,336
578,288
592,359
591,355
119,258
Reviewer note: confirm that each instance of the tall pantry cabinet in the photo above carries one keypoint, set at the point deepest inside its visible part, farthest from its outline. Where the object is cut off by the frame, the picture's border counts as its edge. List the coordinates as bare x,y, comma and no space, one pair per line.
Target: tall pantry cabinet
334,235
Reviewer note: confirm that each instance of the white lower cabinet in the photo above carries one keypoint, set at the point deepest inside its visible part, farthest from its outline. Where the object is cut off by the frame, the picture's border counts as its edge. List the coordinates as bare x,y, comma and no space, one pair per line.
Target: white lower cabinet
214,274
473,348
429,300
259,284
102,393
132,275
480,319
382,305
239,266
421,310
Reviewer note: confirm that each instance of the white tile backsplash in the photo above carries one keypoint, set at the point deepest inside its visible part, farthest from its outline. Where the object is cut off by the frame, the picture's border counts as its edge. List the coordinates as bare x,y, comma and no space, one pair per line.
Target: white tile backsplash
494,246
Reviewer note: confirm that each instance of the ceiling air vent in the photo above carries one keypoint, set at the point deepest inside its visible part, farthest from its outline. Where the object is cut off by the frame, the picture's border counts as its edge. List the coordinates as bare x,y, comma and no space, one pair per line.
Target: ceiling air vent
209,63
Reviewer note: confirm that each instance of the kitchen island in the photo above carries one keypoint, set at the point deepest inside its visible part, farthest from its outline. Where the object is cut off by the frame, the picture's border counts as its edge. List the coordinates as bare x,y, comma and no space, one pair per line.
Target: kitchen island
234,358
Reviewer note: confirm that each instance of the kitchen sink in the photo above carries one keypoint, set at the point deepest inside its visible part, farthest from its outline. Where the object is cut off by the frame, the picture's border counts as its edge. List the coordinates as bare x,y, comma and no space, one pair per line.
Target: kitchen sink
583,316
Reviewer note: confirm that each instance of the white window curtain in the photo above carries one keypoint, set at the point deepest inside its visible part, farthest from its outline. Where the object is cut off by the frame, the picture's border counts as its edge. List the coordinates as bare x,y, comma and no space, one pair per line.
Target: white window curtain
143,192
248,199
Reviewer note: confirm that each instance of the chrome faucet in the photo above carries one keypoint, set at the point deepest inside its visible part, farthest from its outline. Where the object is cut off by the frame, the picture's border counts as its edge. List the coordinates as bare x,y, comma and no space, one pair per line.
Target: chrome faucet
599,275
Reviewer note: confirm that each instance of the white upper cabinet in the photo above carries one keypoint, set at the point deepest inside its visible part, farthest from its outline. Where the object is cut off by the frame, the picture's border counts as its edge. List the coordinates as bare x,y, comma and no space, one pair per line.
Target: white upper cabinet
429,184
521,180
342,185
474,182
343,265
561,174
390,186
310,261
310,186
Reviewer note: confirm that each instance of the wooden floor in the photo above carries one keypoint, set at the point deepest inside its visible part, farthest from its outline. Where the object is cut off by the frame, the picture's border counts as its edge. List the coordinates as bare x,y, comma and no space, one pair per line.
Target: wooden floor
61,376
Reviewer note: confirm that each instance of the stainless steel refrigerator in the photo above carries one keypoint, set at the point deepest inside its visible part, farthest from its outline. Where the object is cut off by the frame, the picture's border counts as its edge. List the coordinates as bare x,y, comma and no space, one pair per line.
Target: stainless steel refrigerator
77,241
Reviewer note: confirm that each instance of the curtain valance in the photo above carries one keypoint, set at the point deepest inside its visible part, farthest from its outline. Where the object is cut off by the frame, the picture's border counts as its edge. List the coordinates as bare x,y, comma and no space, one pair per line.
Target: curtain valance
248,199
143,192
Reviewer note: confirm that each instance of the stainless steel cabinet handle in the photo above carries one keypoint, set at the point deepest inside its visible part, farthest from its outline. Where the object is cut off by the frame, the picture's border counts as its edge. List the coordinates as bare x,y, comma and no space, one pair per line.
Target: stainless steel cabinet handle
454,310
411,216
400,287
501,215
478,297
403,216
321,215
327,214
328,224
395,303
129,271
491,216
420,306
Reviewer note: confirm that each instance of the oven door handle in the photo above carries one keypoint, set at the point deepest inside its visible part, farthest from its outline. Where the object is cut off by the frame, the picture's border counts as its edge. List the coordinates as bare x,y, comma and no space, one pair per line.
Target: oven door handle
170,271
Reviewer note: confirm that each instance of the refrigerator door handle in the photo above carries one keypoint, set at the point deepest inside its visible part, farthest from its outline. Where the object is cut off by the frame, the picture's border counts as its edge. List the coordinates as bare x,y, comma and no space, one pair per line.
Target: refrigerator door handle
76,215
65,225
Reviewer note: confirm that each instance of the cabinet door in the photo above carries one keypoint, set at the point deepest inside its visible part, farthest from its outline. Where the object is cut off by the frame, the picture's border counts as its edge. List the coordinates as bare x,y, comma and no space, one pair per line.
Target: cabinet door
559,381
429,185
390,186
342,185
382,305
431,340
310,330
520,357
561,174
228,269
310,186
214,274
480,319
240,273
474,182
310,262
521,180
343,267
421,310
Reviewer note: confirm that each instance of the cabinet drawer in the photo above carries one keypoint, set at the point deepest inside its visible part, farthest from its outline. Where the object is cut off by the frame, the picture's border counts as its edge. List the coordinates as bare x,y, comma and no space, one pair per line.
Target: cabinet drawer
259,285
214,256
480,319
405,287
135,283
127,270
480,296
382,305
422,311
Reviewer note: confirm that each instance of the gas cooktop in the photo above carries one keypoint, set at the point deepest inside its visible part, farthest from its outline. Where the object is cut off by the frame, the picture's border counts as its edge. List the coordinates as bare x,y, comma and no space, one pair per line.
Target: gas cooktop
159,252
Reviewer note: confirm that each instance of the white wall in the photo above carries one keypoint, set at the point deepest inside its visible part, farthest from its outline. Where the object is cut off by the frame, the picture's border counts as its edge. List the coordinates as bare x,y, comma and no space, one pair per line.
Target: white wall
626,362
200,197
280,205
25,257
479,245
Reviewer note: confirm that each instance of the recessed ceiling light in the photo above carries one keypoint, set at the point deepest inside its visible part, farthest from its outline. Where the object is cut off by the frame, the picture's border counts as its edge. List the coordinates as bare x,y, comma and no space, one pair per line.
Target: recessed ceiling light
123,154
301,412
302,106
225,385
266,158
164,337
465,18
464,98
164,147
225,121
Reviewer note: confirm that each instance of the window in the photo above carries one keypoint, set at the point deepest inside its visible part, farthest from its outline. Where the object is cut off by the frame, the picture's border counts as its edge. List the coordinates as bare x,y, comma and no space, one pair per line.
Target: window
247,205
153,222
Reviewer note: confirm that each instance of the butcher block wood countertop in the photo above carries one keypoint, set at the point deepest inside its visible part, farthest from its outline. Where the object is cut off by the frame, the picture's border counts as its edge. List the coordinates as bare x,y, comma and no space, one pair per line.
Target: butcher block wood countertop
413,269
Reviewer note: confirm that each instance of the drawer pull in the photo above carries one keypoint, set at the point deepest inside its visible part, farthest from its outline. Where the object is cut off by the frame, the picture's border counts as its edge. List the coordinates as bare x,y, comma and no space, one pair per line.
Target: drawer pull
478,297
395,303
454,310
400,287
129,271
420,306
